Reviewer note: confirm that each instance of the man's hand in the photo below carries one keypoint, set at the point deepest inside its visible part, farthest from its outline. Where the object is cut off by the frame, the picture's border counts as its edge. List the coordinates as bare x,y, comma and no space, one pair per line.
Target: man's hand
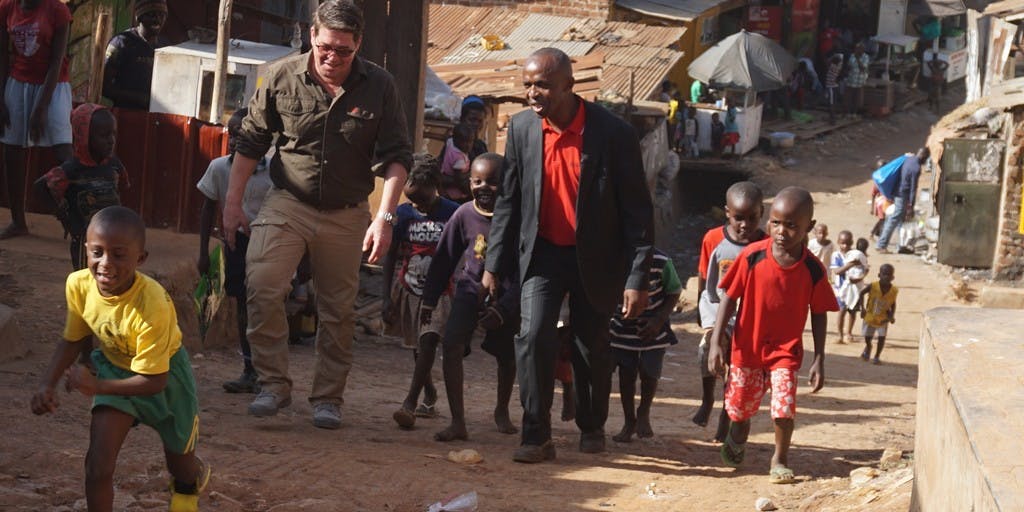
716,360
377,239
203,264
489,285
817,374
425,313
37,122
44,401
892,319
81,379
909,214
634,302
234,219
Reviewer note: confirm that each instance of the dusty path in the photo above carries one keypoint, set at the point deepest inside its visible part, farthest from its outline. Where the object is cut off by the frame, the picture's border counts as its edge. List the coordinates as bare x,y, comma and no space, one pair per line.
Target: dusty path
284,463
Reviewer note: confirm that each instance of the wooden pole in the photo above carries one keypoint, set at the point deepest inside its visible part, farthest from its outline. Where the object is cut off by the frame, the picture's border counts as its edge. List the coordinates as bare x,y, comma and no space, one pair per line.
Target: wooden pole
406,58
220,74
629,100
101,35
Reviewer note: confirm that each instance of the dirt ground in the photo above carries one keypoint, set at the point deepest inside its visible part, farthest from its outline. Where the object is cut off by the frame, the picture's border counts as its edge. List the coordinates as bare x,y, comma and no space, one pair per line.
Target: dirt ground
284,463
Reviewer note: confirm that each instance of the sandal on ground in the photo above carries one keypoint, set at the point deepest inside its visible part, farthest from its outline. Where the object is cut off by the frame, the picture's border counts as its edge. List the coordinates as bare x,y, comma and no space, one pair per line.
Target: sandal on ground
426,411
781,475
732,453
865,355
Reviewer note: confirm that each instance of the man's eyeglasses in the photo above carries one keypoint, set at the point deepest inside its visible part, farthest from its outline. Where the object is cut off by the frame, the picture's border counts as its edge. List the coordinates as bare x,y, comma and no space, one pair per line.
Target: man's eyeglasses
341,52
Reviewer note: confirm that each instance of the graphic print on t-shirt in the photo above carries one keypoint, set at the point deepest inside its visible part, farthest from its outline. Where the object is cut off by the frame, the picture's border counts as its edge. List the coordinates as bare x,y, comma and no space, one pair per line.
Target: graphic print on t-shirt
423,235
26,38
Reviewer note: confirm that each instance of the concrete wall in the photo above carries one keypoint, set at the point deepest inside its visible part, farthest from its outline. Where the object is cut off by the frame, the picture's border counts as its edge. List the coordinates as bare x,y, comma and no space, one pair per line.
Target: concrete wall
968,451
574,8
1008,261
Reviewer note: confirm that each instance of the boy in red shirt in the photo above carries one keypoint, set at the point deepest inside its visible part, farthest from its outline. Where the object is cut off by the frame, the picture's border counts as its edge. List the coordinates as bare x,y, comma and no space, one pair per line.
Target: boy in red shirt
776,281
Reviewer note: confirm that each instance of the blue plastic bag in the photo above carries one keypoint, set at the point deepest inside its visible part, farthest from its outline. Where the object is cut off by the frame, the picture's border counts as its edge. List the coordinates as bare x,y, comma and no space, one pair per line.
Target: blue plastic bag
887,177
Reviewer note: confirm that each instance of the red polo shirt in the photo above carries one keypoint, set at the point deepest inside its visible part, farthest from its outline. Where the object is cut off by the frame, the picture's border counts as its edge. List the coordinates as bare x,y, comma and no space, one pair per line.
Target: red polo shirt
561,182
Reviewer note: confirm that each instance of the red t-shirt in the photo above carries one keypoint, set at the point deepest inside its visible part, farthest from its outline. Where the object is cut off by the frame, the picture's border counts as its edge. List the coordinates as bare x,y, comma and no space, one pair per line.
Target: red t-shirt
712,238
773,305
561,182
31,35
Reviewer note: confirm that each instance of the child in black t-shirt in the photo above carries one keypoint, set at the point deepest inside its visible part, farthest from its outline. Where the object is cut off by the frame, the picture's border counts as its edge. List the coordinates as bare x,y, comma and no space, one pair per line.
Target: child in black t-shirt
88,182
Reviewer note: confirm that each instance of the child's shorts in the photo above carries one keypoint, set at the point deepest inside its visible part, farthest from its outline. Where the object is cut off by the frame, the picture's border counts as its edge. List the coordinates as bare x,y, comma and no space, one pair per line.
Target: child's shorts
173,412
870,330
20,98
704,348
462,323
407,323
730,139
648,362
746,389
234,266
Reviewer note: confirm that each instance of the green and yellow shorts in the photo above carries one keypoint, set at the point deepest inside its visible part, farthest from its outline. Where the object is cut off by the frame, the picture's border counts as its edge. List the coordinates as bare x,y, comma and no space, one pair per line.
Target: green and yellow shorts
173,412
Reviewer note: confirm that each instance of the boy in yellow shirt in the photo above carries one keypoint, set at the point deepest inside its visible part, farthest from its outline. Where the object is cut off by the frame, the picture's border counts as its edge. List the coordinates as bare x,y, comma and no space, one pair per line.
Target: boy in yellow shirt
143,372
878,311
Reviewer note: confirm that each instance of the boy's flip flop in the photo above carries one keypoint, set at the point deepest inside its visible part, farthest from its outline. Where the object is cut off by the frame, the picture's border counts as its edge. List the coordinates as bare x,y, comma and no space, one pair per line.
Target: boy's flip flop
405,418
781,475
732,453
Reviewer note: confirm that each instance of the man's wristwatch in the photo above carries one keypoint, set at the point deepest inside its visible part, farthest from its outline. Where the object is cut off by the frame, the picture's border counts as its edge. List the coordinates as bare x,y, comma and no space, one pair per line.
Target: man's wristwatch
389,219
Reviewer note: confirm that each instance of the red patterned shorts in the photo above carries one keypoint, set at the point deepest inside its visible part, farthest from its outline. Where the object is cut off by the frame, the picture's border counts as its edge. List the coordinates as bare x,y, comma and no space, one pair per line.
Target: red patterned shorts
747,387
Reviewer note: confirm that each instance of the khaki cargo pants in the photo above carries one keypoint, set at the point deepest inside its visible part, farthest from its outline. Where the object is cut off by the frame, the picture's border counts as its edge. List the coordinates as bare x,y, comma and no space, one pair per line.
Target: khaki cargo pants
282,232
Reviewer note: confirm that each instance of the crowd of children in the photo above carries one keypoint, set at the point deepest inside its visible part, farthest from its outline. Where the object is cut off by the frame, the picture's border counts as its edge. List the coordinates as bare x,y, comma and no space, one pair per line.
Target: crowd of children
754,286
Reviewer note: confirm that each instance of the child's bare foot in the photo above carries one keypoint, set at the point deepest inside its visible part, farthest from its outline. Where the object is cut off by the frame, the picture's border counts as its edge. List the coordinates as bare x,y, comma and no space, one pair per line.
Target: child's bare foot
503,422
643,427
452,433
701,418
405,418
626,434
841,340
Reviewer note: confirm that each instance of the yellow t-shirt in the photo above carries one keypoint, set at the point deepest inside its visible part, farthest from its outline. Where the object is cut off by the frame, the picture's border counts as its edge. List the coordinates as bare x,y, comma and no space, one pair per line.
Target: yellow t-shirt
137,330
877,305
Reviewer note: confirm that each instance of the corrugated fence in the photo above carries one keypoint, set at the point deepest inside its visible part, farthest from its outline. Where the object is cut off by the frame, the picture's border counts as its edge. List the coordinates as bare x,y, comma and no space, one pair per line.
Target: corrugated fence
165,155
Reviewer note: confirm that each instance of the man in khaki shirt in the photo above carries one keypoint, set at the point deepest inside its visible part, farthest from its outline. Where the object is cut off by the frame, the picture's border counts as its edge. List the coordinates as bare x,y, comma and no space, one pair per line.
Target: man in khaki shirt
336,122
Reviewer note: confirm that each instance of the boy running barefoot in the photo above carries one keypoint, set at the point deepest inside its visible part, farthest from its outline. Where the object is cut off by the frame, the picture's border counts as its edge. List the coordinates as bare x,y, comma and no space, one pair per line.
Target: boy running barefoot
143,371
878,310
744,207
776,282
465,240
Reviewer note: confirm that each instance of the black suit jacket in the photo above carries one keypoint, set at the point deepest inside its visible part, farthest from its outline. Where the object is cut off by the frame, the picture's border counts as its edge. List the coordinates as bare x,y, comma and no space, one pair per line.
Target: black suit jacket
614,214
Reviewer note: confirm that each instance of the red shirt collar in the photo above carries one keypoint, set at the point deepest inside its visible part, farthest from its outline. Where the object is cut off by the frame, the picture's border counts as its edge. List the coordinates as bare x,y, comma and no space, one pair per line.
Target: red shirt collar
577,122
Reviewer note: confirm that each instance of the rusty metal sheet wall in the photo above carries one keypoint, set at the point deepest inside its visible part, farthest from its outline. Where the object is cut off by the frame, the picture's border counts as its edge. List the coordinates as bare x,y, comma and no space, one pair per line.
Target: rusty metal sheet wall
164,156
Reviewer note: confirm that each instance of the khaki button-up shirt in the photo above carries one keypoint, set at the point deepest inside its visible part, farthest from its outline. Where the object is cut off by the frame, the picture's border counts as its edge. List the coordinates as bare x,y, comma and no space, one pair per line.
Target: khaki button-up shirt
327,147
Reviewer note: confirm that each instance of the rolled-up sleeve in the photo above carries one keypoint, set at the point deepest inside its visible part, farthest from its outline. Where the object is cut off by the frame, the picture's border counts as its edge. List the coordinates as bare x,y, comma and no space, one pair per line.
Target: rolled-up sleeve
393,144
258,127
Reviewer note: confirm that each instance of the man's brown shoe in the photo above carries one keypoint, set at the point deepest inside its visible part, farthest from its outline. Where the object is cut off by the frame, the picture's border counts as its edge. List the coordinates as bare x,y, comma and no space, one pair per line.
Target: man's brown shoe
532,454
592,442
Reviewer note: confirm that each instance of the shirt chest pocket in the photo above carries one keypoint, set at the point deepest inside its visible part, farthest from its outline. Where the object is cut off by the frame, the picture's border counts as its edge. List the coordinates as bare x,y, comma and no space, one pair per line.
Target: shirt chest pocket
297,115
359,126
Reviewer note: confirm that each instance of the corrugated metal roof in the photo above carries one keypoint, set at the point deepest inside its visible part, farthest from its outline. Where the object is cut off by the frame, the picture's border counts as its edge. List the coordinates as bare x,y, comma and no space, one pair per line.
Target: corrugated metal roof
534,32
1005,8
680,10
458,58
